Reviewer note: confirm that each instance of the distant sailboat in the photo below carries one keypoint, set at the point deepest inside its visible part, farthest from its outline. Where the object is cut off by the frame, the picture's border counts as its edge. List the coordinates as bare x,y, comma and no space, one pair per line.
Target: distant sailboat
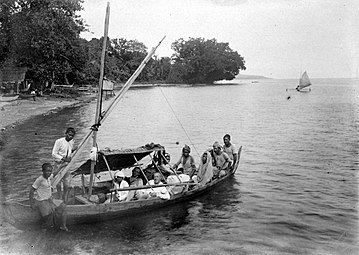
303,82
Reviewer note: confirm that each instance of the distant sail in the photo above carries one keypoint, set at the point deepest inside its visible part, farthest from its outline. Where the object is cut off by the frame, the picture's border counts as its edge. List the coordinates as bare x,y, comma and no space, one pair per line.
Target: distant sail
304,81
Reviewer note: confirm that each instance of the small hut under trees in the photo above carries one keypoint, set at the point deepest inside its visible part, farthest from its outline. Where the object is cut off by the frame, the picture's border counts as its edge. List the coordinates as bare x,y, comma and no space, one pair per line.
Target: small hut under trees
12,80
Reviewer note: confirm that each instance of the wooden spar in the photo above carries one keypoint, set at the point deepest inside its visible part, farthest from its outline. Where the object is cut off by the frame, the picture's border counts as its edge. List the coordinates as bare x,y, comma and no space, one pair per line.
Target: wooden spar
108,167
99,97
154,186
174,171
105,114
75,156
130,81
141,169
154,163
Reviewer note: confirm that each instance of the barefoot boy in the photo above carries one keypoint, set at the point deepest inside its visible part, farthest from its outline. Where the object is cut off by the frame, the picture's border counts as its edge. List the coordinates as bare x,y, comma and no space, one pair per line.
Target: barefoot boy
52,210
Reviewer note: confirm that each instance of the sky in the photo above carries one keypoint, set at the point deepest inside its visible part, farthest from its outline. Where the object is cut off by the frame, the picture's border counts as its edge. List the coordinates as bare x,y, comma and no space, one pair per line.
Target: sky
276,38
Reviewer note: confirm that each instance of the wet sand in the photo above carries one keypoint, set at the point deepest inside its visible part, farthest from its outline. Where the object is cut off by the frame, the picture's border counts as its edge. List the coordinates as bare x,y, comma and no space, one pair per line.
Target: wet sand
15,112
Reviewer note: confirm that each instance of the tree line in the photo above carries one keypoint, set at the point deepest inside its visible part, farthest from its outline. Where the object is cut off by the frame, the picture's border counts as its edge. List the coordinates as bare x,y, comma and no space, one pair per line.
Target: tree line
44,36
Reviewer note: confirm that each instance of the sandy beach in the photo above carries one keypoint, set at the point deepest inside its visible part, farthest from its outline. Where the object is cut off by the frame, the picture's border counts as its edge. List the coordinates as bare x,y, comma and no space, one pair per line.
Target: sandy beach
14,112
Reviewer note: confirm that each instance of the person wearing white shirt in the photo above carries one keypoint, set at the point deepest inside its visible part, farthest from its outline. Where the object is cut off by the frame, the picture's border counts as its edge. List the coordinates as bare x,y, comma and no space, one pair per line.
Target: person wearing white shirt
61,153
119,183
41,198
160,192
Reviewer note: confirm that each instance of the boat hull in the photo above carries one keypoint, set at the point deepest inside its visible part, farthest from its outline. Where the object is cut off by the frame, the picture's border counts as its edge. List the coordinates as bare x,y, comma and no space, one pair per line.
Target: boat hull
8,98
21,215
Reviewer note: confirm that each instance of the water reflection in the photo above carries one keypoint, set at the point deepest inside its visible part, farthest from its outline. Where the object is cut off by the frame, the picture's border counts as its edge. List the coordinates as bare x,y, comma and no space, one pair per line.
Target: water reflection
295,193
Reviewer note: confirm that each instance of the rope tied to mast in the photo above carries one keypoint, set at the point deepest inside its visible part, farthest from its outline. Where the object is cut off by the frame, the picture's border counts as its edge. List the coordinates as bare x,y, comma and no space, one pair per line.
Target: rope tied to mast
174,113
95,127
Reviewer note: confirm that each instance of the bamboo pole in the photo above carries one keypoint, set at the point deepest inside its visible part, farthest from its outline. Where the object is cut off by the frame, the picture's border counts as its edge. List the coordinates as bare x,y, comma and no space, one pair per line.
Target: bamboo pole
155,186
99,97
141,169
76,154
109,171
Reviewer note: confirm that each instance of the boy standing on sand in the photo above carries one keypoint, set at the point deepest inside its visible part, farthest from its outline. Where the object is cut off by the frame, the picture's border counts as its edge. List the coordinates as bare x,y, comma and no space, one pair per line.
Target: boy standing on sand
52,211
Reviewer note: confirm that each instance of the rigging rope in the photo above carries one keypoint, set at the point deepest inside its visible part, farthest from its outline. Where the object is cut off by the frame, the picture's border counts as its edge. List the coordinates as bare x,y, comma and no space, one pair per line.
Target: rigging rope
179,121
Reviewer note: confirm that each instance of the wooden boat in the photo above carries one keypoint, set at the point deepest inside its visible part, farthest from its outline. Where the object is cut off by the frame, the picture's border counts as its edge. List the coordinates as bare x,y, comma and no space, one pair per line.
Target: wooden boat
80,207
27,96
8,98
21,215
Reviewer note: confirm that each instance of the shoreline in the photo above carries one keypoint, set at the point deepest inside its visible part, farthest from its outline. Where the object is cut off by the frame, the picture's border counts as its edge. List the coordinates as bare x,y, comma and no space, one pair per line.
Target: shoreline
16,112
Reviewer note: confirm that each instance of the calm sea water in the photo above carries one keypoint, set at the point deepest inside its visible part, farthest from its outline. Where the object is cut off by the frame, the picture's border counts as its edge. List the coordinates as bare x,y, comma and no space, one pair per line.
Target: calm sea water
296,191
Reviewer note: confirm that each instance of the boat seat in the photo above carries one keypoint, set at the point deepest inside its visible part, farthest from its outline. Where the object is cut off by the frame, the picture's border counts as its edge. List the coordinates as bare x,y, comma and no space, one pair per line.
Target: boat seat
82,200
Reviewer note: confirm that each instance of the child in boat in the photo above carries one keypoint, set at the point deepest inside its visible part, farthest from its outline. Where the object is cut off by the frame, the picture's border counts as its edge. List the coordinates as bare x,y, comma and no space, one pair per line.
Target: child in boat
136,181
119,183
52,211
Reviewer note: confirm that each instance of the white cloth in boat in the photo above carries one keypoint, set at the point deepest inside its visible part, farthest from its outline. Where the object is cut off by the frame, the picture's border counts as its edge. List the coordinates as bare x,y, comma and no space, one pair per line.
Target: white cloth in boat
42,188
173,179
205,170
121,195
160,192
137,194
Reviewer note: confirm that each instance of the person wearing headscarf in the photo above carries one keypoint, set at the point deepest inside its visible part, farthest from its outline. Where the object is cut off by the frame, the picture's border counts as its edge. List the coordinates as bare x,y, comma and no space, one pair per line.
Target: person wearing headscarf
187,162
205,169
222,160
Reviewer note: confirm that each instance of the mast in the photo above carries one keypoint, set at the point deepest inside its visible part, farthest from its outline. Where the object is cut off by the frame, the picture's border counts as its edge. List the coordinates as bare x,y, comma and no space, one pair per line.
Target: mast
102,116
99,96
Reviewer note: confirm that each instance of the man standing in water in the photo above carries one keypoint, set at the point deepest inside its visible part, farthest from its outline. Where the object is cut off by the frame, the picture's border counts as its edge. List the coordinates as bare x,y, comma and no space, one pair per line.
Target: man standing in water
230,149
61,154
52,211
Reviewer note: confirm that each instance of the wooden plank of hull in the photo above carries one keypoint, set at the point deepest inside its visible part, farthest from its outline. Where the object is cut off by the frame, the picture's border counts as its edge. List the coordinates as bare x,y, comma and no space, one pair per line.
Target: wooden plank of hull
21,214
100,212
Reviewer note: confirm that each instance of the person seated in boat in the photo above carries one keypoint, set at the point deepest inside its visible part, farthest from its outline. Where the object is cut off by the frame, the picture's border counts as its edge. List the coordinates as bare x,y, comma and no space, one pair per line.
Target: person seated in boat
187,162
205,169
222,160
41,198
136,181
164,165
160,192
150,169
175,178
118,183
230,149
